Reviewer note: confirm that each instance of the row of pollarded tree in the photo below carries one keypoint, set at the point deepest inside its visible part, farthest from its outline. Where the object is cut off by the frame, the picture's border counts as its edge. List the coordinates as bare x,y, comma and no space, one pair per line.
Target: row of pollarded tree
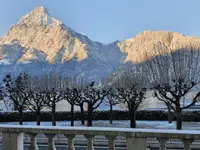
170,74
37,92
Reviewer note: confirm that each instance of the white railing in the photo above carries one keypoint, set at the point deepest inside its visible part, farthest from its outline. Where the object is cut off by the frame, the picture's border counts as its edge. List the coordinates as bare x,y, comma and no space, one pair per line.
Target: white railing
136,139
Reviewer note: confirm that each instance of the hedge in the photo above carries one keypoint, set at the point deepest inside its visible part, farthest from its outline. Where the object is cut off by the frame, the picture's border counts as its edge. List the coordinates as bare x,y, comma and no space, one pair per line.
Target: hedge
99,115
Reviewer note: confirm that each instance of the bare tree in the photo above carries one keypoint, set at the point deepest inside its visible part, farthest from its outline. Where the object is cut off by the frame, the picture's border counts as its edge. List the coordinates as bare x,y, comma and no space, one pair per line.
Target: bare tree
72,97
16,92
111,101
73,94
130,86
93,96
54,92
133,97
173,74
36,97
53,96
80,85
36,102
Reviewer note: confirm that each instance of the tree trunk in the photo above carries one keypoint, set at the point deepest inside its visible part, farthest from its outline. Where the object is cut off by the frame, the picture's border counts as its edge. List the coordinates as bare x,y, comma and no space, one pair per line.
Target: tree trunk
53,114
132,118
178,120
90,117
14,106
72,115
170,116
82,114
20,116
178,114
111,114
38,117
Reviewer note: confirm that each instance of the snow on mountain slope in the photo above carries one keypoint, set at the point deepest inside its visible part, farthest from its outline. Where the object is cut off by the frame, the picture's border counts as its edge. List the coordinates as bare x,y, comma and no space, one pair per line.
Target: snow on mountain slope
37,30
41,43
32,55
44,39
10,53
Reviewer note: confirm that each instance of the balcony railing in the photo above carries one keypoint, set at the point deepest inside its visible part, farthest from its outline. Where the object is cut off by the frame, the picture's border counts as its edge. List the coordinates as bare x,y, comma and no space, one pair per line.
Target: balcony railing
135,139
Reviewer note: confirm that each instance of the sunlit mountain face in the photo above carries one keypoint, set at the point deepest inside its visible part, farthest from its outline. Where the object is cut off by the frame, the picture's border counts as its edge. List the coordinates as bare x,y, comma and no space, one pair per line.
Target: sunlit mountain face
40,43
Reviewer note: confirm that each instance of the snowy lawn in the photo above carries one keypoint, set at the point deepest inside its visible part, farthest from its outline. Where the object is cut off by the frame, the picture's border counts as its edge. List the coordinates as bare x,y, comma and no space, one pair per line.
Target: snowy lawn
122,124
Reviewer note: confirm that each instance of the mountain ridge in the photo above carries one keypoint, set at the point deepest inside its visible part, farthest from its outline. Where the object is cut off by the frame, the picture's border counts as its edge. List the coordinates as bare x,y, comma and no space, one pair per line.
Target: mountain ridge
41,41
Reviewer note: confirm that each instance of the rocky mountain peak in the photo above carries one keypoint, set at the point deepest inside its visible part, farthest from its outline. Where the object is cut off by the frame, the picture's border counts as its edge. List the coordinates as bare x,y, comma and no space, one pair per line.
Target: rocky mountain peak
40,31
40,9
40,39
38,17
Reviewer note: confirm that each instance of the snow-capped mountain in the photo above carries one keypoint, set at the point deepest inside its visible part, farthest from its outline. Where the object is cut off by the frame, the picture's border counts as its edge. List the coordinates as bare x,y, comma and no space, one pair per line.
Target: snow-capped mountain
40,40
40,43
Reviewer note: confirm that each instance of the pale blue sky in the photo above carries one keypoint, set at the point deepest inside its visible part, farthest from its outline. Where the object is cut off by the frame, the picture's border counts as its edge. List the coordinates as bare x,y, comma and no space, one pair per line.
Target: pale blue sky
109,20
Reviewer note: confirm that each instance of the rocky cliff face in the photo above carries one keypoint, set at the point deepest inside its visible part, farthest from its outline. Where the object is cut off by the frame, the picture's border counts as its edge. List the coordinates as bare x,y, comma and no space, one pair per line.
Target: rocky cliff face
147,42
39,31
39,39
40,43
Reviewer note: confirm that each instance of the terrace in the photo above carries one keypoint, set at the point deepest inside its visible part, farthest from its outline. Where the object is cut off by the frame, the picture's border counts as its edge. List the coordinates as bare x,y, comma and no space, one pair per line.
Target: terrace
134,139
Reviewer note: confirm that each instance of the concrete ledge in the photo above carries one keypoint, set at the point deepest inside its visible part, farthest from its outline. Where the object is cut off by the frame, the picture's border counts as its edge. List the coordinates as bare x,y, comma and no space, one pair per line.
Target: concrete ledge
126,132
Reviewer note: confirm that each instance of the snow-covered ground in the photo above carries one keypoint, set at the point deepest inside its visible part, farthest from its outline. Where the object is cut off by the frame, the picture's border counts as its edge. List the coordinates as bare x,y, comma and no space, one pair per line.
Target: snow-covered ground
122,124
